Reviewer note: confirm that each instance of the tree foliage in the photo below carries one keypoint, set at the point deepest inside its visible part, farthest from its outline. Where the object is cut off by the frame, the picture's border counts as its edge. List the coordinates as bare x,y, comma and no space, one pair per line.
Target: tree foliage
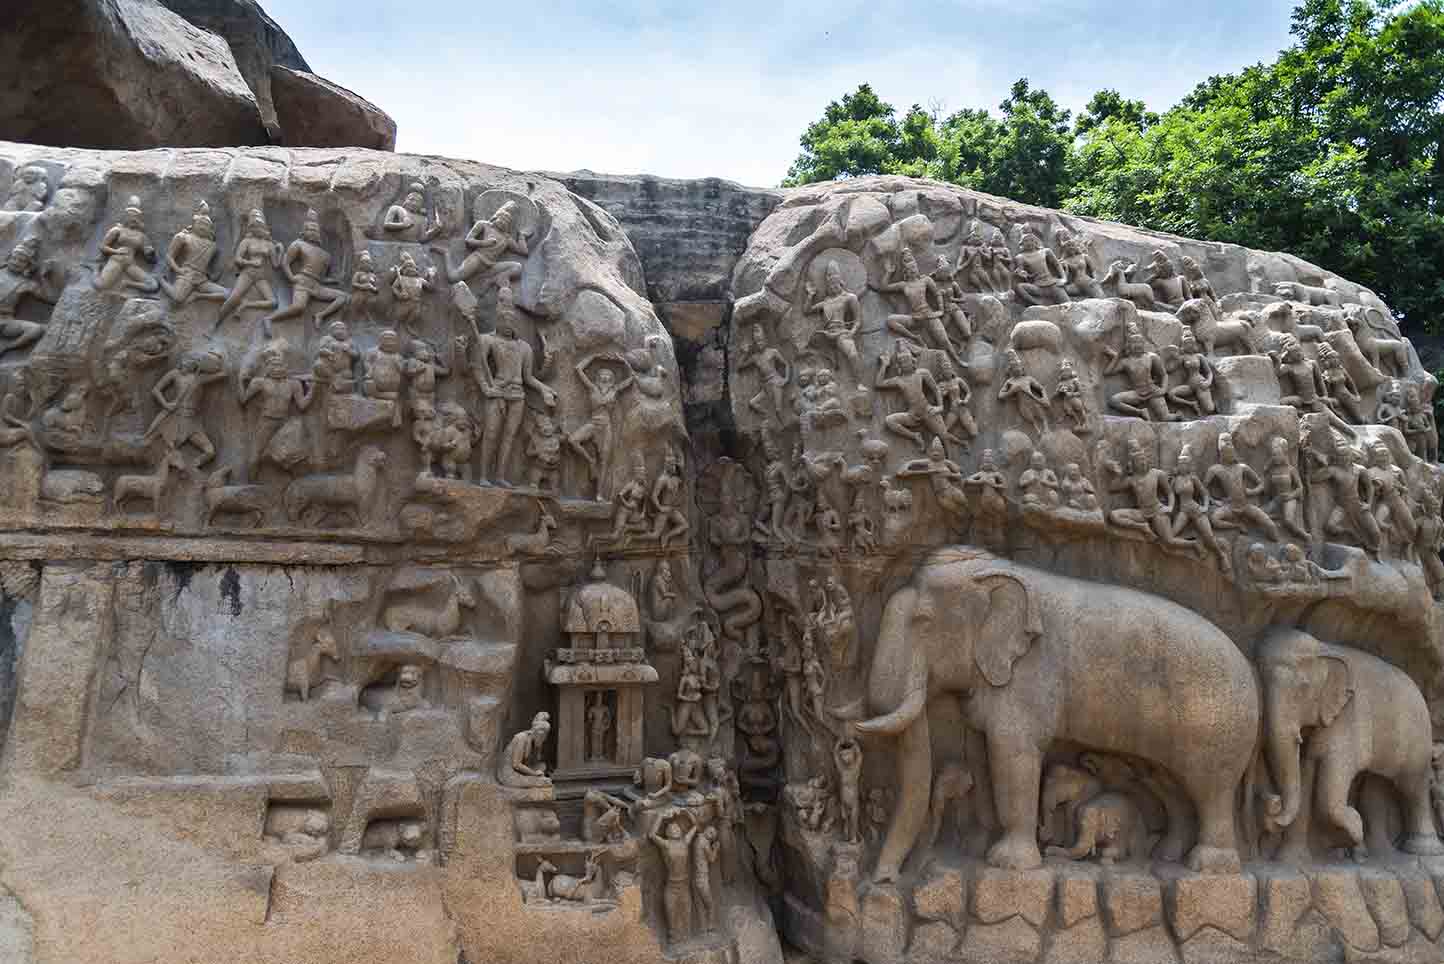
1335,151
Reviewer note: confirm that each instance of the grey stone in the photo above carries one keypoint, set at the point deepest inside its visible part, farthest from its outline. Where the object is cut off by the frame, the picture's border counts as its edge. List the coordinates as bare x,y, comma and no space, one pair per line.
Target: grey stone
1340,901
942,896
1014,941
314,112
1083,943
1226,902
119,74
1386,901
933,943
1131,902
1151,945
1000,894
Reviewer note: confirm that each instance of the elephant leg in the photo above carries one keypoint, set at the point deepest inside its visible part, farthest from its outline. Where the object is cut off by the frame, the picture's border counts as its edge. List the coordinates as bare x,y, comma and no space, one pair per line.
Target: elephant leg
1420,836
985,820
1334,779
1217,849
1295,846
1177,812
1016,771
1376,801
914,778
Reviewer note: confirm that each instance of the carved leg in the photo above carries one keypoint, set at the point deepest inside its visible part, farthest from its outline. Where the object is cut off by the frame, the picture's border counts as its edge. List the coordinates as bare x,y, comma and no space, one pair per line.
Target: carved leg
1216,851
1376,799
1295,846
1334,779
914,773
1016,770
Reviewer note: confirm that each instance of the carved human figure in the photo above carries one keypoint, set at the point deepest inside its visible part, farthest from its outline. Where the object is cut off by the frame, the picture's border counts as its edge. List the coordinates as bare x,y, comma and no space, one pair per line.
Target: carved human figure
124,250
1038,278
629,506
975,261
1068,395
1169,287
422,369
1191,509
1076,490
878,813
384,373
599,727
688,716
1390,411
1039,483
1147,393
954,314
822,406
1392,513
925,308
593,440
181,417
1340,392
675,849
670,522
543,453
989,489
306,264
956,395
847,756
841,319
1152,494
365,287
503,368
406,221
774,371
336,358
1263,569
66,423
1240,485
521,765
1002,262
1285,488
22,278
408,287
1419,428
1082,278
487,245
1352,491
1303,384
920,394
189,258
29,190
257,258
452,441
1027,394
814,675
1428,537
706,848
279,392
1195,391
1198,283
17,410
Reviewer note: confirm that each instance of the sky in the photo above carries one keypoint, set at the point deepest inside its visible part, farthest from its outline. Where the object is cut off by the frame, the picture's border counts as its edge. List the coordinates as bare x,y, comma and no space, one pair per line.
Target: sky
726,89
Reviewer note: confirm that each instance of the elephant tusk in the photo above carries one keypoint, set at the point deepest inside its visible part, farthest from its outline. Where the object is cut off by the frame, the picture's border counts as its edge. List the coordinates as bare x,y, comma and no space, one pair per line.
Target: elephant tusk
899,719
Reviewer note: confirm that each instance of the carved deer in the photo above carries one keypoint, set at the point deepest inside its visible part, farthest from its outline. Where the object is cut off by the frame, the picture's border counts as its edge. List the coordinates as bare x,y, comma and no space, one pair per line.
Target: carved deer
425,619
147,487
303,672
1116,283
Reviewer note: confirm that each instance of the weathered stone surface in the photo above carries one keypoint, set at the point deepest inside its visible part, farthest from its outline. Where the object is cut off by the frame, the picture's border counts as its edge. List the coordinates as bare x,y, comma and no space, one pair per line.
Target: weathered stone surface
1386,901
1131,902
1000,894
1339,899
119,74
1151,945
1014,941
17,941
933,943
1210,946
1083,943
256,42
314,112
1422,899
1077,897
1227,902
884,934
943,895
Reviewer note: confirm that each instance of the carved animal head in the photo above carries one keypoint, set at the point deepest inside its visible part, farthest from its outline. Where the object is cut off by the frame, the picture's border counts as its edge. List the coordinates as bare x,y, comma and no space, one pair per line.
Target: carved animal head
465,597
1306,687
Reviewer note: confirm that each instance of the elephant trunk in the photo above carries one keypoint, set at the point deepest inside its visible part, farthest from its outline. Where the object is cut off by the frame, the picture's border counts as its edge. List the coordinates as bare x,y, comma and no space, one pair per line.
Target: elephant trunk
1282,747
914,701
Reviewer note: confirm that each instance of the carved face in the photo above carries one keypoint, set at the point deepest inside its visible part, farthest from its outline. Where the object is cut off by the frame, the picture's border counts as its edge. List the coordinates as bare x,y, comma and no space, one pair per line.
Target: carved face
134,219
834,279
1279,451
339,331
539,732
502,219
413,203
1073,472
422,352
907,363
605,378
909,265
1039,461
1226,451
389,341
674,831
1185,463
409,677
408,266
312,232
1015,363
20,261
1135,345
1381,455
1030,242
987,464
257,227
364,261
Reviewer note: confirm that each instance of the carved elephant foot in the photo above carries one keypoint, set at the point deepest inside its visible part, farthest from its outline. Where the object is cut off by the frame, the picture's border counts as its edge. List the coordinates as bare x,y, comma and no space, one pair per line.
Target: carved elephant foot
1015,852
1214,860
1423,844
1171,848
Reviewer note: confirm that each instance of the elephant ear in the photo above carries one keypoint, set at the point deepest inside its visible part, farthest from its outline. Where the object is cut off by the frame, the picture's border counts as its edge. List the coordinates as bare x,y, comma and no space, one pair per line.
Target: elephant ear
1008,630
1337,689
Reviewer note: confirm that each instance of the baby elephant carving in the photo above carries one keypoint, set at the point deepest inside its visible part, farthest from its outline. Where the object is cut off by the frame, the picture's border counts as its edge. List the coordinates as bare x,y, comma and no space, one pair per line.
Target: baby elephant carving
1108,827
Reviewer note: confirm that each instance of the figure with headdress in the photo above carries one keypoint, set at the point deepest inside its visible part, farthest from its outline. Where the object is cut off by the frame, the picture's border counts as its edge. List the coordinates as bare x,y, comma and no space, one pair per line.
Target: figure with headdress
487,244
123,251
257,257
1038,278
189,258
305,264
1147,393
406,221
21,278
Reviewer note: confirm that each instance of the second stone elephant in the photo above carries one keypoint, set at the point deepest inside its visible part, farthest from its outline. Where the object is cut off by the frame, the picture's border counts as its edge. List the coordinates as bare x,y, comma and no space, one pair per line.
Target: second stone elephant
1108,826
1039,657
1330,714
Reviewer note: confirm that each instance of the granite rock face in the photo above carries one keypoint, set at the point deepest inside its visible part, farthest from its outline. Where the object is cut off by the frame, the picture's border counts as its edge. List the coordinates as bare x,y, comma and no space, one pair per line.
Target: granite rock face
411,560
185,73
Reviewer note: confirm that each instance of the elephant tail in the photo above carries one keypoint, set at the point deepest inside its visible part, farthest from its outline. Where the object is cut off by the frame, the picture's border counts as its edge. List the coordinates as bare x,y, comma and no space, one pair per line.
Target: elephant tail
914,701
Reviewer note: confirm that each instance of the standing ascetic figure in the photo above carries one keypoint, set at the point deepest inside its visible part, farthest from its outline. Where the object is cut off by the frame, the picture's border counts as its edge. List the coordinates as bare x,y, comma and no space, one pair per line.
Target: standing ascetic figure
1044,657
502,367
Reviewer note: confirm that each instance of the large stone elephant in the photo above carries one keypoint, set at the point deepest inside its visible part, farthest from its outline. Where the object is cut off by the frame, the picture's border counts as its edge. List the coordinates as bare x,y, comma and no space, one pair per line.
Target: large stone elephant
1041,657
1330,714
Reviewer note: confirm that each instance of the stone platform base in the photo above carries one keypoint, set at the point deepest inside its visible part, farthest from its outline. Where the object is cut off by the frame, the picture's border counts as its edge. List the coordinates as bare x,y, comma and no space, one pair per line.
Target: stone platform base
1084,913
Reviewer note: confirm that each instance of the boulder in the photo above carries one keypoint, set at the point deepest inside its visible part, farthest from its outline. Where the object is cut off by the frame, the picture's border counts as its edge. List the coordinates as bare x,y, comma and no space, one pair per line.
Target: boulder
119,74
313,112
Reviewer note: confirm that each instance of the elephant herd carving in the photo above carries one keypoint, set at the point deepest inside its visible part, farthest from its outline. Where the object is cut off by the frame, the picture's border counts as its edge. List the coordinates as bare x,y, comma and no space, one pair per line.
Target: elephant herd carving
1169,710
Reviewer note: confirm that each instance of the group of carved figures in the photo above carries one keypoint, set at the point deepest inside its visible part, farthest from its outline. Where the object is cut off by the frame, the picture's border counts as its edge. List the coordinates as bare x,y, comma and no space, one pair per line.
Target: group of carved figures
349,392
